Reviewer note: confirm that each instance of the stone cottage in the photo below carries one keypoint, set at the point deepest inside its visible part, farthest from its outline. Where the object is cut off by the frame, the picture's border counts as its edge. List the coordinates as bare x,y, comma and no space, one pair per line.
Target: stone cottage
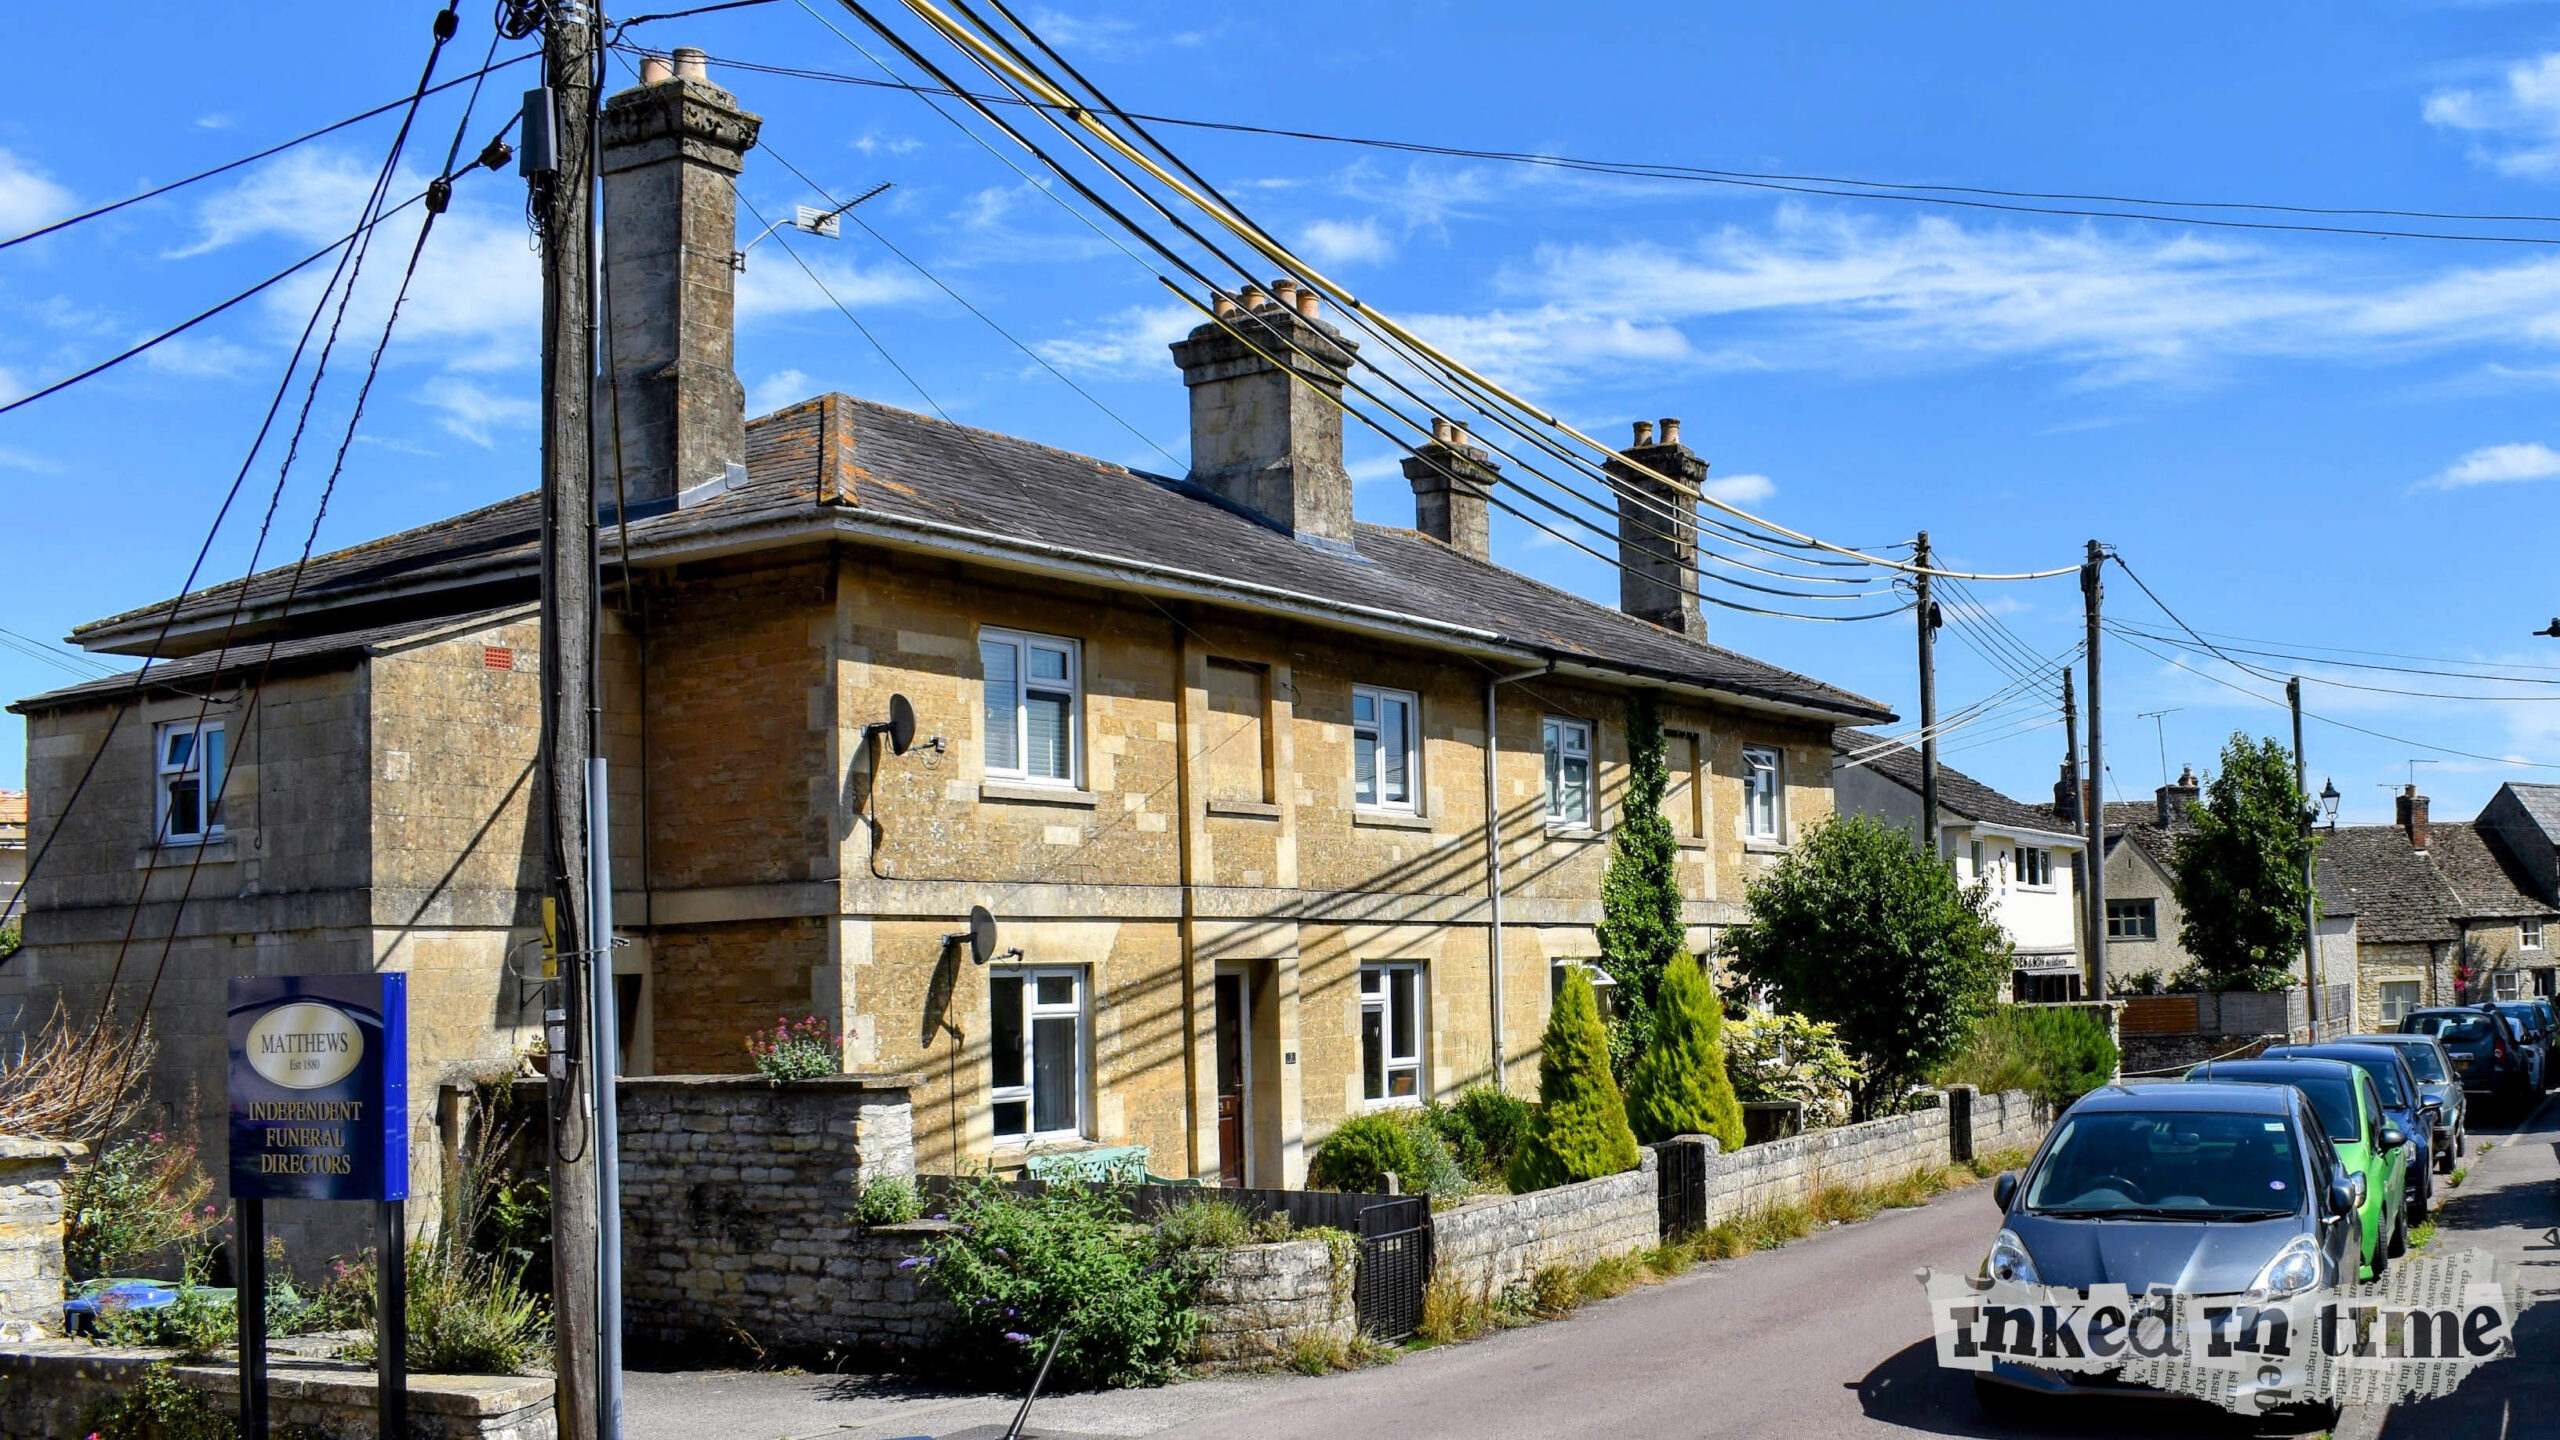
2030,856
1245,783
2446,912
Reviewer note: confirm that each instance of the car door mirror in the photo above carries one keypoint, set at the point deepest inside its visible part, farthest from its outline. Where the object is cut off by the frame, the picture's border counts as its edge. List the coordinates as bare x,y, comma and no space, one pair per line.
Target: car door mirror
2005,1189
2393,1137
2342,1199
2434,1109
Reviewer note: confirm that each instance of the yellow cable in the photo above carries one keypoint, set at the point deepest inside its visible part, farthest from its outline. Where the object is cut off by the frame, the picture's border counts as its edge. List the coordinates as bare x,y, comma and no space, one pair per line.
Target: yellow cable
1278,254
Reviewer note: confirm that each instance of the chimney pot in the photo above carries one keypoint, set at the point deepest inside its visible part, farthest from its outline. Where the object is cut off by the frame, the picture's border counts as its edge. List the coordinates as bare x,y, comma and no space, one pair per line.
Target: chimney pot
1285,290
1310,304
1658,530
1440,429
1670,430
1450,479
1266,418
656,69
1254,299
691,64
1224,306
1644,433
2412,808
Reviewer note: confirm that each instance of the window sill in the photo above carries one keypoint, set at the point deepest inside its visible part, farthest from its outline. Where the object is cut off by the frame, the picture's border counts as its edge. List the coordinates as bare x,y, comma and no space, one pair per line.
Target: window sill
1390,820
1764,847
1017,791
1244,809
1559,831
220,850
1400,1102
1694,842
1024,1147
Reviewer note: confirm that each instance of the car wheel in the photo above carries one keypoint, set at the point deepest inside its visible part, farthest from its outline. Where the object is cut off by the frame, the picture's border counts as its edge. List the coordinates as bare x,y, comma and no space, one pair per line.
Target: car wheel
2001,1402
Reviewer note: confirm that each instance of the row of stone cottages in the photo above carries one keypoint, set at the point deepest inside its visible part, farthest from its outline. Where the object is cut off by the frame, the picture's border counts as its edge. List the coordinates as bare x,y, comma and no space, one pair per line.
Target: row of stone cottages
1224,762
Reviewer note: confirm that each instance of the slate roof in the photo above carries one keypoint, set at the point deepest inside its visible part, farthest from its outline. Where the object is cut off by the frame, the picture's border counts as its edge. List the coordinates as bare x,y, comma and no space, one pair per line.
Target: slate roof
280,657
868,471
2401,894
2542,802
1958,793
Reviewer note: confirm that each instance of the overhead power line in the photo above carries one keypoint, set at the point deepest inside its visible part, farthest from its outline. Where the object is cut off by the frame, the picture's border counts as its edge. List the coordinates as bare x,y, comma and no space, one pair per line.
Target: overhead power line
276,149
1976,197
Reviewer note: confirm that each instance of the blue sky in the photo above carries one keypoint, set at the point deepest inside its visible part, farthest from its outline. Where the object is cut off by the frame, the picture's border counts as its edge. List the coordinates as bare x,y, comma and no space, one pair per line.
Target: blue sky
2315,440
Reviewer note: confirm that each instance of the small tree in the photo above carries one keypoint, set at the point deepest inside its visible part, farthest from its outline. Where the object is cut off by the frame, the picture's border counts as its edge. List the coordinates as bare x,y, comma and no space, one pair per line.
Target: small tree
2241,869
1640,928
1861,927
1580,1131
1678,1085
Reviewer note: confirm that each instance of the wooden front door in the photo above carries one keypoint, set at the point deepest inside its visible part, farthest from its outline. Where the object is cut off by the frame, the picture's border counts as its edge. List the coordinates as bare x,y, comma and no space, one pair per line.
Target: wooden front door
1231,1078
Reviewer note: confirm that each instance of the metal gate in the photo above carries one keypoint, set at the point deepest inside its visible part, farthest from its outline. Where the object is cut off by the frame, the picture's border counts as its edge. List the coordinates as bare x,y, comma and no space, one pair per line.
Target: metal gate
1395,1267
1680,1176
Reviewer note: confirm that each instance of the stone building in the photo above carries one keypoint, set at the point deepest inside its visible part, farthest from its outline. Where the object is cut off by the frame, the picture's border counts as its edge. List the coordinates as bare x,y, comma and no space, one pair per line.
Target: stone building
2446,912
13,849
2030,856
1223,763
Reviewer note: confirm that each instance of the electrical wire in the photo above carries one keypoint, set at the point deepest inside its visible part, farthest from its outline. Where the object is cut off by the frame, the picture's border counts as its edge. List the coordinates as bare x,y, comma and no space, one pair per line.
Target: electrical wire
903,372
279,148
2270,654
2310,678
1835,186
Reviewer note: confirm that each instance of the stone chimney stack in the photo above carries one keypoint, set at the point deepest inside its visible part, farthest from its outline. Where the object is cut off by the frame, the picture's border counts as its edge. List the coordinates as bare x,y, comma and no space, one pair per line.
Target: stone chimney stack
1658,530
2411,816
670,151
2066,795
2173,800
1451,477
1261,438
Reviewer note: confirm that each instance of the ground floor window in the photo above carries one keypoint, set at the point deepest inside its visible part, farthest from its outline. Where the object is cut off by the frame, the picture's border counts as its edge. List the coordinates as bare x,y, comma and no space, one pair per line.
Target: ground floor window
2506,984
2133,920
2399,997
1035,1036
2543,981
1391,1029
2046,988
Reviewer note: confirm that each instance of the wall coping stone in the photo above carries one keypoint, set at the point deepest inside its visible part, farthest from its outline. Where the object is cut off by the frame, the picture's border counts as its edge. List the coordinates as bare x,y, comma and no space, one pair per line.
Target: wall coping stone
21,1147
885,1081
335,1381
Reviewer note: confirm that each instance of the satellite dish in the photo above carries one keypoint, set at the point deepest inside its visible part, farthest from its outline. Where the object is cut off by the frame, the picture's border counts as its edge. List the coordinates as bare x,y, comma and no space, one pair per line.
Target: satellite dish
982,934
902,724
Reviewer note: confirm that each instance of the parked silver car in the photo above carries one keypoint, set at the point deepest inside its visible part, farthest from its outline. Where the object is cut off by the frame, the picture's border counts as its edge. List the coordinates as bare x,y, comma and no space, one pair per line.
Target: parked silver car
2441,1084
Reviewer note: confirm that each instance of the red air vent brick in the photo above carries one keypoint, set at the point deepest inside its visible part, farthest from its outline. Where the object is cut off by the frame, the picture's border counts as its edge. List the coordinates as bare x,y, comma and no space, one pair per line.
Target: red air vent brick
497,657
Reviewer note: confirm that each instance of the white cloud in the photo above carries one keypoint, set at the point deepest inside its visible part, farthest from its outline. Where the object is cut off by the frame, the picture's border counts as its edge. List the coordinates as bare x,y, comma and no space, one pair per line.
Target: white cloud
195,356
1376,469
2494,464
11,387
1741,489
872,142
1130,343
310,195
2516,124
782,387
33,464
28,197
473,412
214,122
1346,242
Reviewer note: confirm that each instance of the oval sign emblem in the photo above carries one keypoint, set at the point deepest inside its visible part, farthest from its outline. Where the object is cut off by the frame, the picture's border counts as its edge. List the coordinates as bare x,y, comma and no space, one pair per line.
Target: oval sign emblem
305,1045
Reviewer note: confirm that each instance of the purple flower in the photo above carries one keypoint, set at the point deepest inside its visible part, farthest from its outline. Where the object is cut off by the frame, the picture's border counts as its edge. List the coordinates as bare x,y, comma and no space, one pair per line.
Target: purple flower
1017,1337
913,1261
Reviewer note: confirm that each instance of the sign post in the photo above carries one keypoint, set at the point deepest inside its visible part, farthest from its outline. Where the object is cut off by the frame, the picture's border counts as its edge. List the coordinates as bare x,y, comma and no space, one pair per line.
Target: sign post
319,1100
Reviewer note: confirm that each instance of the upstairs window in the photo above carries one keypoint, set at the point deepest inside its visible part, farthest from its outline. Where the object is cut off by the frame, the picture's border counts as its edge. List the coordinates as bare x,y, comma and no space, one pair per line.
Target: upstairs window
1035,1044
2034,866
190,782
1760,799
1035,700
1568,771
1382,748
1391,1031
2529,935
2133,920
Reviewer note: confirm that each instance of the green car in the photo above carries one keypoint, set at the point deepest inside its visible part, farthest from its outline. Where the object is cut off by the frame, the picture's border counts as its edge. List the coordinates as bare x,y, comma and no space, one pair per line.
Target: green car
2368,1144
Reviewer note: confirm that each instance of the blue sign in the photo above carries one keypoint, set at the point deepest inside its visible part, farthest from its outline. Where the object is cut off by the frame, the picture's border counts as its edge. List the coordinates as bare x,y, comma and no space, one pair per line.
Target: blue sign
320,1087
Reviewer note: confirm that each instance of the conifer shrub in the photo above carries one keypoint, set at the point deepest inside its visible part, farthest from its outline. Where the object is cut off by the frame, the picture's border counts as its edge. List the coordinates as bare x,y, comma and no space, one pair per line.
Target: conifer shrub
1580,1129
1482,1128
1678,1086
1359,1155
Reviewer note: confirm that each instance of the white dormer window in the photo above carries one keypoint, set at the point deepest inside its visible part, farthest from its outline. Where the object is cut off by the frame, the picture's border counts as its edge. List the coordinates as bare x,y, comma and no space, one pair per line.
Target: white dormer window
189,755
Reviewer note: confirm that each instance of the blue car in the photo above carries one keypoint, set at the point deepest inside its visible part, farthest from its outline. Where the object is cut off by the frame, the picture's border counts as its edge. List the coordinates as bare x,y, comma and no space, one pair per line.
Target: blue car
2403,1099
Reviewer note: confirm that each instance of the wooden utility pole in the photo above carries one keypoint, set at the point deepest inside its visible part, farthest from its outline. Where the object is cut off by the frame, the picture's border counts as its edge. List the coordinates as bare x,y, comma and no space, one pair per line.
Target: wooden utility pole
2310,874
2092,593
1928,613
2090,859
563,204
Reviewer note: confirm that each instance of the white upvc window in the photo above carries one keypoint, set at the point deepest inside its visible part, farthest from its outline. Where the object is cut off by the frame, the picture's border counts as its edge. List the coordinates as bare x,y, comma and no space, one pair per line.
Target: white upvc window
2034,865
1382,747
189,760
1978,861
1036,1045
1035,706
2399,997
1391,1030
2529,935
1761,804
1568,744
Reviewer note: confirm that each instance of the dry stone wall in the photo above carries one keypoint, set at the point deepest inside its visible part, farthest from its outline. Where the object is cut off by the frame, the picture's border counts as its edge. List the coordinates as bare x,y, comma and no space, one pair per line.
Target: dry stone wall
1261,1300
31,1179
48,1390
1492,1243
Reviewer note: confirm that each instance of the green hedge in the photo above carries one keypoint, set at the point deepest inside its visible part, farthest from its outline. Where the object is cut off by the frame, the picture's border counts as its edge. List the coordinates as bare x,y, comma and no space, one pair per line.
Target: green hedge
2058,1052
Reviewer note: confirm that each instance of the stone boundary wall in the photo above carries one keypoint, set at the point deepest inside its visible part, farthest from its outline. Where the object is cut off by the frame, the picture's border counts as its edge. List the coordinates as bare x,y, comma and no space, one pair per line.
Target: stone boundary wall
2165,1057
1493,1242
737,1213
1262,1299
48,1388
32,1173
2006,1119
1786,1172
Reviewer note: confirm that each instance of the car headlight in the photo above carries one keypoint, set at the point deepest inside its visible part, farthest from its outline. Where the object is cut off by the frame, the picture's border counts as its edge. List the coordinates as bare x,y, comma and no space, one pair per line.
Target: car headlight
2294,1269
2010,1263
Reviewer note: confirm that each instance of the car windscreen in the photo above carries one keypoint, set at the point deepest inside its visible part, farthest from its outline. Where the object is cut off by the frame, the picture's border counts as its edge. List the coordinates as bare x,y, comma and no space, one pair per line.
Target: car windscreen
2332,1092
2452,1029
2425,1060
2386,1078
2174,1164
2524,1017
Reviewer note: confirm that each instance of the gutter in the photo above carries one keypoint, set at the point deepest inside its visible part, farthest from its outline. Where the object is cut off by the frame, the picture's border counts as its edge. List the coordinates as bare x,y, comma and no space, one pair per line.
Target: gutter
1493,847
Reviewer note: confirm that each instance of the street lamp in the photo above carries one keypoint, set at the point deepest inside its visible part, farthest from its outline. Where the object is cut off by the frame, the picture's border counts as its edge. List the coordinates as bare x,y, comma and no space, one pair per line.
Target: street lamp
2329,802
